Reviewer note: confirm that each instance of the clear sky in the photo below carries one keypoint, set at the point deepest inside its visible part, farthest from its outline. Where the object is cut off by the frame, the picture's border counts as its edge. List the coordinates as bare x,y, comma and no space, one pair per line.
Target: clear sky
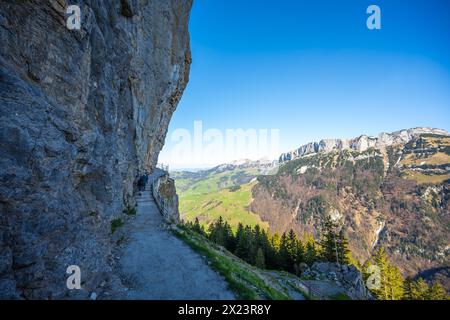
312,69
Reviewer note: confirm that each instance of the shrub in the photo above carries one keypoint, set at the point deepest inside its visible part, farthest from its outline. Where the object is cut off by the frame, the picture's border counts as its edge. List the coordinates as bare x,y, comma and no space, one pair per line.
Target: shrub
129,211
116,223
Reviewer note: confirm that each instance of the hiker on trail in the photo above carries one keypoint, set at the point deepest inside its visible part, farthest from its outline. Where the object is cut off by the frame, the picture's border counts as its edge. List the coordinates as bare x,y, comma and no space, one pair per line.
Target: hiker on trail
145,177
141,185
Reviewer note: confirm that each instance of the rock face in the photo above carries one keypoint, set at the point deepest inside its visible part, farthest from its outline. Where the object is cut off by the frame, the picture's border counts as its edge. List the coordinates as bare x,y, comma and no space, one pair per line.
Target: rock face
361,143
83,113
166,198
328,280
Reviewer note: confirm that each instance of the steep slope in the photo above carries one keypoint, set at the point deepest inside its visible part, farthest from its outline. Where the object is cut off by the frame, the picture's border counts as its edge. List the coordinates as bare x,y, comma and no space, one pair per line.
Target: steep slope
82,114
394,195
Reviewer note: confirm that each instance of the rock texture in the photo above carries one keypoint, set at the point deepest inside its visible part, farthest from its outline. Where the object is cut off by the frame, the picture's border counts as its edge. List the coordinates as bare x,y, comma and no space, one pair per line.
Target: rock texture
328,280
166,197
361,143
82,114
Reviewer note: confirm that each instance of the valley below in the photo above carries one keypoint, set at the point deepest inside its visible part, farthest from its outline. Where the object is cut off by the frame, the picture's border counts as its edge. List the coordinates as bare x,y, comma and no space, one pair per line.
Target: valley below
390,191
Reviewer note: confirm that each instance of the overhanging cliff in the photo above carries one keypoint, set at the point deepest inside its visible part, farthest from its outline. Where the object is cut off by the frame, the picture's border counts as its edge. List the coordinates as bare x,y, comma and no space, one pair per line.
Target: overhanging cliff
82,114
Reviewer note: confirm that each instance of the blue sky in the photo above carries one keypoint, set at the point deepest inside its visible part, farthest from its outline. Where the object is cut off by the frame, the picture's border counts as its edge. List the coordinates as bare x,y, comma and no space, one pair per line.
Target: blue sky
313,70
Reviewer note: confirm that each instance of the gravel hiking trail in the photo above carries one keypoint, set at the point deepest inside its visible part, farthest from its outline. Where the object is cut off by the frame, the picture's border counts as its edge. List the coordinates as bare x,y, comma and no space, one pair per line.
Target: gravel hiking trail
154,264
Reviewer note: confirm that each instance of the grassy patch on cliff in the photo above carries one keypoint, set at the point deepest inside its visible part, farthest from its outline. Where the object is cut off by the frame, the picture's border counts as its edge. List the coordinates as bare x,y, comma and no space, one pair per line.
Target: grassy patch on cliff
421,178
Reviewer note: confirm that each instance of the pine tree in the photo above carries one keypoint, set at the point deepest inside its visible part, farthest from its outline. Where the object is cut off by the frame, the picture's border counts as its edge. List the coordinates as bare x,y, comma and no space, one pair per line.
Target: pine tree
268,250
343,253
299,256
419,290
275,260
260,260
396,286
230,241
407,289
329,241
392,286
198,228
382,293
241,242
311,254
437,292
218,232
251,246
284,258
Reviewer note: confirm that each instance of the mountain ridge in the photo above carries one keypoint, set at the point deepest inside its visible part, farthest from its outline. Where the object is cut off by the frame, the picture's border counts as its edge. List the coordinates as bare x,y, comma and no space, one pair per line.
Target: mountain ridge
361,143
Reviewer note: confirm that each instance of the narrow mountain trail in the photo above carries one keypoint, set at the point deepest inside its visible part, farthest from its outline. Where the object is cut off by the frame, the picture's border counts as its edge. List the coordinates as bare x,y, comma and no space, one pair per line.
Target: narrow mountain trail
154,264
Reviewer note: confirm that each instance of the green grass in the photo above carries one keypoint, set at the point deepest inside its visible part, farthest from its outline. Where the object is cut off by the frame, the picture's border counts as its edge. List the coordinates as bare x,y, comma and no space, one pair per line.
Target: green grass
214,193
230,203
130,211
421,178
340,296
245,281
115,224
120,240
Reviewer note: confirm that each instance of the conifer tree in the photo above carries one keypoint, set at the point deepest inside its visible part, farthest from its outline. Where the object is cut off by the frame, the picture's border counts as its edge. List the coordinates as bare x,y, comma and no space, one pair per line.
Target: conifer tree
419,290
311,254
230,242
275,242
284,258
407,289
437,292
396,286
260,260
391,282
329,241
268,250
292,244
343,253
241,242
382,293
218,232
198,228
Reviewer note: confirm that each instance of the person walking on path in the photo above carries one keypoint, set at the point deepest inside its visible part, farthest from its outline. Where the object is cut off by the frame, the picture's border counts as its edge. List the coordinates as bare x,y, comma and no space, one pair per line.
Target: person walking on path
141,185
145,179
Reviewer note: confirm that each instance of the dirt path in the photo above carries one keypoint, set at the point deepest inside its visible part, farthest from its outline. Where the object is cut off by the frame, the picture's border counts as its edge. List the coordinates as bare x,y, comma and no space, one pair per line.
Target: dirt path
154,264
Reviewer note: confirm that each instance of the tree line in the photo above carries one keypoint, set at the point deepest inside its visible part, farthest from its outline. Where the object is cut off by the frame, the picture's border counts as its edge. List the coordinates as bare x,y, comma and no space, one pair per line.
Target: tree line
286,252
290,253
388,283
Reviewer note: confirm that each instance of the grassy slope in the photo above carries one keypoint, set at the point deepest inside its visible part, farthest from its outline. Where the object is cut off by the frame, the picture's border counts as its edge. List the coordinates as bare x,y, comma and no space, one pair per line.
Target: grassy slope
437,154
246,281
215,196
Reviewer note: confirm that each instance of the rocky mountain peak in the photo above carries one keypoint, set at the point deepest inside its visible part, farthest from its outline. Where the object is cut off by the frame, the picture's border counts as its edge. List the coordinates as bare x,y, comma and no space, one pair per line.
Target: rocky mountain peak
361,143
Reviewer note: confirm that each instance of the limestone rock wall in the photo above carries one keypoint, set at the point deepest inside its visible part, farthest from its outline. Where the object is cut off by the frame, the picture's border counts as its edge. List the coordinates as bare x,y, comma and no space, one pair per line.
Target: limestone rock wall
166,198
82,113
